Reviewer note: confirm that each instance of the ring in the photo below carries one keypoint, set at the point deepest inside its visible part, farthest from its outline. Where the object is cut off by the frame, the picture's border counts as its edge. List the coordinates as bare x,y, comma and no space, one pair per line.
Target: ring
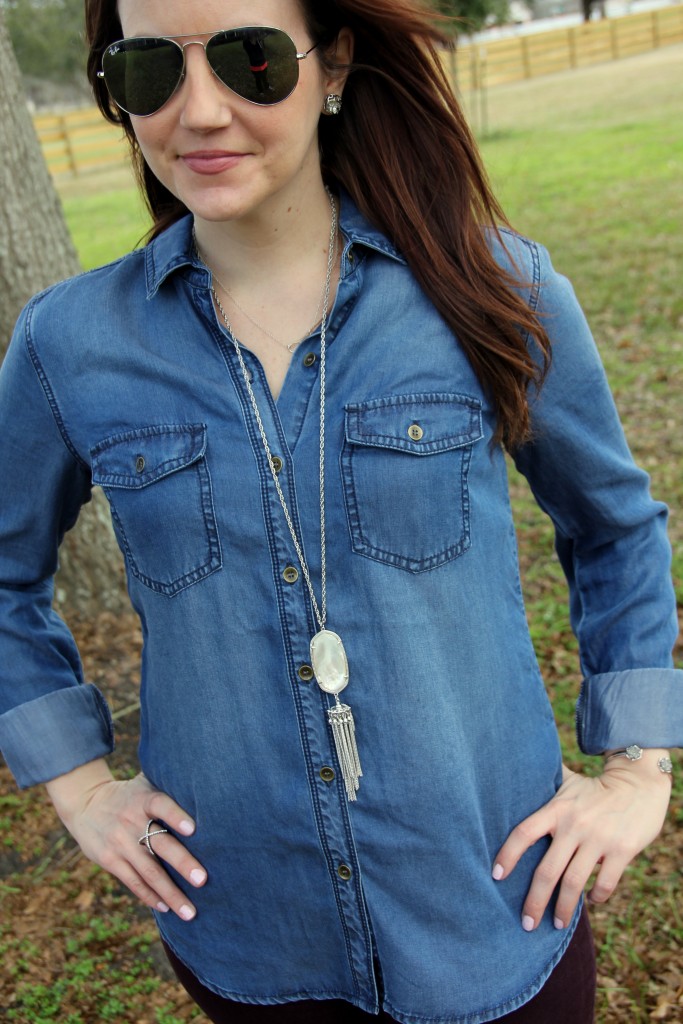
148,835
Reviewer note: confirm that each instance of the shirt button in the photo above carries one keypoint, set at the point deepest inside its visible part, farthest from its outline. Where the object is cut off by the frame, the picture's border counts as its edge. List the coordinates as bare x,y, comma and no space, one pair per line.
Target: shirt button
276,463
291,574
415,432
305,673
139,464
344,872
310,359
327,773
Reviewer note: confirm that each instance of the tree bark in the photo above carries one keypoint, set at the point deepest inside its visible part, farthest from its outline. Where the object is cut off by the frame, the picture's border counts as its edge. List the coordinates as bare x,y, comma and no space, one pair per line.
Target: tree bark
35,251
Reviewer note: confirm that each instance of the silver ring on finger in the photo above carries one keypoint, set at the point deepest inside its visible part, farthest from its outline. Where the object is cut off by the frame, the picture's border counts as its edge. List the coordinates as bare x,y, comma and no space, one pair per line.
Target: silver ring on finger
149,833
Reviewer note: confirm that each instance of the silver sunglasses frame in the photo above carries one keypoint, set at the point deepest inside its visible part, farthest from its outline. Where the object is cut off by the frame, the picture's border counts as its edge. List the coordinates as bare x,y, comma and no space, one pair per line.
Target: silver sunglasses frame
197,42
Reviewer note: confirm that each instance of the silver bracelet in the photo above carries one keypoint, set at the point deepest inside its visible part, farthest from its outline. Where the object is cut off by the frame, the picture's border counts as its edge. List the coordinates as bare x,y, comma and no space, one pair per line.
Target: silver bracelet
634,753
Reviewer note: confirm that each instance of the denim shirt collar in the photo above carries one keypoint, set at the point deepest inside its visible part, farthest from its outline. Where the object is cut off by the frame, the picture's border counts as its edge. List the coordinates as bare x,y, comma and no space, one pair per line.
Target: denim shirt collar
174,248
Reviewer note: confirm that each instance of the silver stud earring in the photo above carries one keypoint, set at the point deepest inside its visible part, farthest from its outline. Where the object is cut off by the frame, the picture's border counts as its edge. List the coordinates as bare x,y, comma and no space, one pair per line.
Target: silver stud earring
332,104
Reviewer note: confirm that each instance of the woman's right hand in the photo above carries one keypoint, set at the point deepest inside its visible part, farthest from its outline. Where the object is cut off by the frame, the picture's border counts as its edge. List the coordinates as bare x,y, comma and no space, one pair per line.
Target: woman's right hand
107,818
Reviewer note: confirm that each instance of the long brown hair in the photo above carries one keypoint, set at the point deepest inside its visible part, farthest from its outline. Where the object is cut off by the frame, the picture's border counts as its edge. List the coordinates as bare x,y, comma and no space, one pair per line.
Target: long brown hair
403,150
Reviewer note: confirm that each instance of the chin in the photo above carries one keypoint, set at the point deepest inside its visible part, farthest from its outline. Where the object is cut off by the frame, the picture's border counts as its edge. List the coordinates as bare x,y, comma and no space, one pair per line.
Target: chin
217,211
214,203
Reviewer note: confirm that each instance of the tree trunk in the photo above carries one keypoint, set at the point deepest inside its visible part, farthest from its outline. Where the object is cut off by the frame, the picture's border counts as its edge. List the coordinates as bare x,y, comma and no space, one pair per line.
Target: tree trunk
36,251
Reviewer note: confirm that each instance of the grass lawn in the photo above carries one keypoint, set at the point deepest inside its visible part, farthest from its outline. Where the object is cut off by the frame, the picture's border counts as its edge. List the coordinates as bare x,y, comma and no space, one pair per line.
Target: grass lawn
106,216
590,163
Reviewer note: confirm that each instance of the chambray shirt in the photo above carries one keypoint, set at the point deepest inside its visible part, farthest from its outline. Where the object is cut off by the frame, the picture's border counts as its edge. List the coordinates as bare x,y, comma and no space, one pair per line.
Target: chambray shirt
124,378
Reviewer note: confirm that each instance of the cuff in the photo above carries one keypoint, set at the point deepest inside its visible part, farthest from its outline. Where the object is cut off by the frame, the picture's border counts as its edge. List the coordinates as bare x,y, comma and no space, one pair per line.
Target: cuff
56,733
640,705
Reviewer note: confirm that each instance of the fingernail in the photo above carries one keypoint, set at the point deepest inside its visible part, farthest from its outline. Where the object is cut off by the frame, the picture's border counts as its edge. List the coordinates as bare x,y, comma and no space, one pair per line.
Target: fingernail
187,913
162,907
498,871
186,827
197,876
527,923
558,923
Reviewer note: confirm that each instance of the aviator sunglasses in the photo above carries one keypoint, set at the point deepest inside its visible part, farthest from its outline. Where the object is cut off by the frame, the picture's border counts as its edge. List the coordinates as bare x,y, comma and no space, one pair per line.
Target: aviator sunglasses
259,64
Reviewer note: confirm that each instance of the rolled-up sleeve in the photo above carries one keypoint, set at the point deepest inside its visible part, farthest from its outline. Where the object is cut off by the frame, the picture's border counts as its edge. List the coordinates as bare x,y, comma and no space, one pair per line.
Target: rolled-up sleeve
50,720
610,538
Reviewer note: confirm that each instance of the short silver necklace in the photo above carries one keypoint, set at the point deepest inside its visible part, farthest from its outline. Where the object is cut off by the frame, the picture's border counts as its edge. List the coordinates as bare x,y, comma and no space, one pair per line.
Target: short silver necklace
292,344
328,656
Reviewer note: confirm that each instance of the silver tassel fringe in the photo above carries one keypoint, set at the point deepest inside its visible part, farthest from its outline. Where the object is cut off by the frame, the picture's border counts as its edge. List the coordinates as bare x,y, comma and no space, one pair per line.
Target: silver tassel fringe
344,732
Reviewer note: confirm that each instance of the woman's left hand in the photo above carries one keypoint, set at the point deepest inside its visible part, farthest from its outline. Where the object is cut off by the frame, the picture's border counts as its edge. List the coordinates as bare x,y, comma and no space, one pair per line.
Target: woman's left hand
599,822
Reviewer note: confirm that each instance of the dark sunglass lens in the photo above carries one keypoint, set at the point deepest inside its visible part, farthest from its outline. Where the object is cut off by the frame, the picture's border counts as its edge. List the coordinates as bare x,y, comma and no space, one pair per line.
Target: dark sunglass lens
142,74
258,64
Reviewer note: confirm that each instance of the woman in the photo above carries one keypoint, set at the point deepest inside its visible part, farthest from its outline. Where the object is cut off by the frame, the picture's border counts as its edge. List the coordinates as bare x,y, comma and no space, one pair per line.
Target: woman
297,397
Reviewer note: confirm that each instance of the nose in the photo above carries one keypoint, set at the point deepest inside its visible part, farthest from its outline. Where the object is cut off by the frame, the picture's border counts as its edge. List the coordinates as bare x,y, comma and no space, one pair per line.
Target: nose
205,101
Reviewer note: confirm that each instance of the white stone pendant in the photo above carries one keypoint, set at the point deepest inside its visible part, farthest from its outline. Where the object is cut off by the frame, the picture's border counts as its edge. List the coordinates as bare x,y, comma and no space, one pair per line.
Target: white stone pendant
331,669
329,662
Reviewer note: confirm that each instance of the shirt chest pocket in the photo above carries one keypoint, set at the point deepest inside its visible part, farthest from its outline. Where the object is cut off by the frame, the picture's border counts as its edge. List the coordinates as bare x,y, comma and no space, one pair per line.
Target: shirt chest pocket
405,464
158,485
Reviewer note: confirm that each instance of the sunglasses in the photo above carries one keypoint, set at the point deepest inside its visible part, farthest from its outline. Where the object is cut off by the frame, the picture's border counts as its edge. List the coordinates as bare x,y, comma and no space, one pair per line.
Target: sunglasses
259,64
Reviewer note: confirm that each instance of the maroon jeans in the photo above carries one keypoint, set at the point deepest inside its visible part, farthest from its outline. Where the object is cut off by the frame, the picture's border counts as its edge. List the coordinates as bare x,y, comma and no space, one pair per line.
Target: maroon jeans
568,996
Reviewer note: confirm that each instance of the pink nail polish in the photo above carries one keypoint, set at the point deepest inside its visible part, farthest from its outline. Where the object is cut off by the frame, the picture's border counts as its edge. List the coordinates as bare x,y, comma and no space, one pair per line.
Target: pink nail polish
162,907
527,923
197,876
187,913
186,827
558,923
498,872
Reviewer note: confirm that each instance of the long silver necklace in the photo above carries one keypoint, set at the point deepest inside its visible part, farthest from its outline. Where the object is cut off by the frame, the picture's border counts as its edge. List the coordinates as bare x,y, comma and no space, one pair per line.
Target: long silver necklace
328,657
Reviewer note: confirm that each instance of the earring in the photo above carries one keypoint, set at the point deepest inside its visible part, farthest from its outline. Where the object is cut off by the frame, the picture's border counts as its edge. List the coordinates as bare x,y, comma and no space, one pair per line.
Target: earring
332,104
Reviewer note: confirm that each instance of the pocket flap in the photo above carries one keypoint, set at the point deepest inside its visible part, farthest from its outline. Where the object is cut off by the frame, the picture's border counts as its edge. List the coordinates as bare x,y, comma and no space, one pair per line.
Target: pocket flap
139,457
420,424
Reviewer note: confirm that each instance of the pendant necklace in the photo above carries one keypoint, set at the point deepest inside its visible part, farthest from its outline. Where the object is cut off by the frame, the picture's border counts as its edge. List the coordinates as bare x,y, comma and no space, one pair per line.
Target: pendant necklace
328,657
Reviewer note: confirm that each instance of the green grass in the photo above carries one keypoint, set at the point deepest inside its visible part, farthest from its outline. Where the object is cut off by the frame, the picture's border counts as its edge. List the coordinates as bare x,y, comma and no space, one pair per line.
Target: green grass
105,214
92,978
590,163
127,223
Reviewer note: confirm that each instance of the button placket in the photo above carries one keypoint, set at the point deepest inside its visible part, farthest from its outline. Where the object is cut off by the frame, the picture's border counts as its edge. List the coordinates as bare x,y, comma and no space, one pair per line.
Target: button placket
328,794
283,424
332,816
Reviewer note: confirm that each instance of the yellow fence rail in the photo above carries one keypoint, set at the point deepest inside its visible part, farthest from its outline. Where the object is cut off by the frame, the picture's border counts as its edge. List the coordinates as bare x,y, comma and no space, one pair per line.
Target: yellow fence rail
81,141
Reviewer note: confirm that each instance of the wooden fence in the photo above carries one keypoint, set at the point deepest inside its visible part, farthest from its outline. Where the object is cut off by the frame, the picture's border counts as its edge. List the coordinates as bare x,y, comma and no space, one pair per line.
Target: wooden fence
530,55
81,141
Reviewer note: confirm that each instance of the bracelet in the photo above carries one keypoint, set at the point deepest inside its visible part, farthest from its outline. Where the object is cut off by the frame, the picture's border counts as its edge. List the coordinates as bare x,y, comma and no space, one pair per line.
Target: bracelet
634,753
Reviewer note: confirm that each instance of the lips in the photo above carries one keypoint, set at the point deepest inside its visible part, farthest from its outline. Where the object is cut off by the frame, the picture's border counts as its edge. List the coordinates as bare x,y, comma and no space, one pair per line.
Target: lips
211,161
